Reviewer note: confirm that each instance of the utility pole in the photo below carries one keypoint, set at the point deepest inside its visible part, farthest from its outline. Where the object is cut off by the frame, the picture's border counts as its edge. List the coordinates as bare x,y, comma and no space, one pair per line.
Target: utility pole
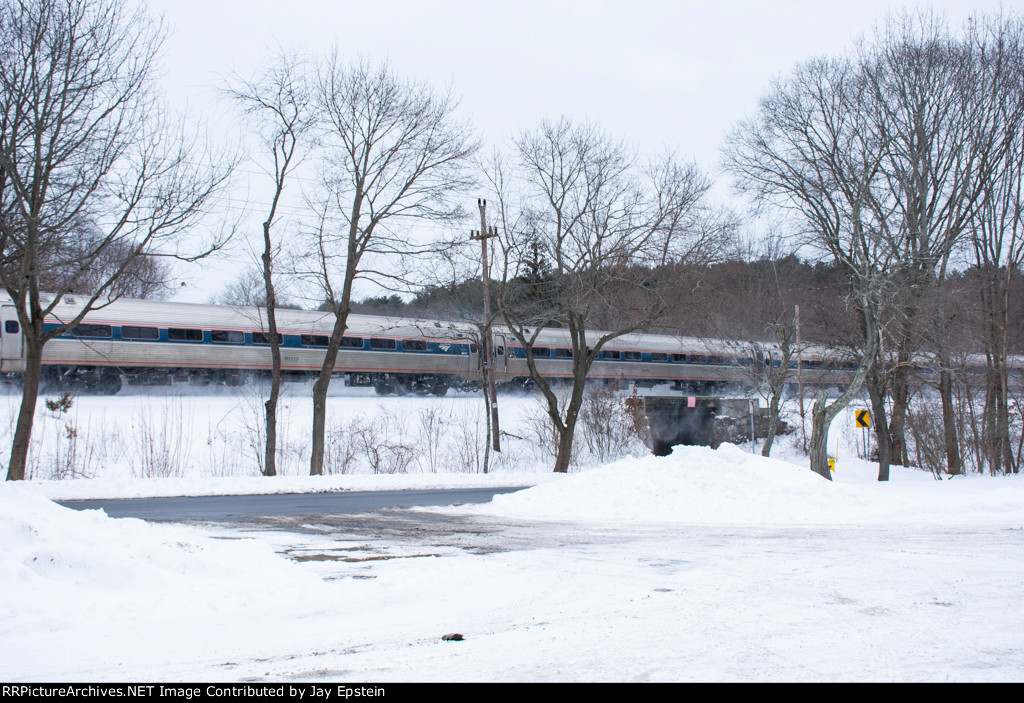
800,373
487,347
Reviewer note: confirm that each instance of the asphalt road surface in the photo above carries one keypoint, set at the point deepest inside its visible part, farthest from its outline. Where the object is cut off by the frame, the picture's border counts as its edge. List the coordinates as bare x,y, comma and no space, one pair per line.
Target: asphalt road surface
242,508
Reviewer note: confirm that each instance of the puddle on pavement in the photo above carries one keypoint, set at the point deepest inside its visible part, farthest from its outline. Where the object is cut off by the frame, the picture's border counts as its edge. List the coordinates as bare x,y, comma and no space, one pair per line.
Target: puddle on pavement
361,540
344,554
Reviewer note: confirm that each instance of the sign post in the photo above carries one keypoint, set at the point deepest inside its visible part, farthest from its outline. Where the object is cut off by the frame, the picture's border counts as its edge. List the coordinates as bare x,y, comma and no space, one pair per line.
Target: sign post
863,419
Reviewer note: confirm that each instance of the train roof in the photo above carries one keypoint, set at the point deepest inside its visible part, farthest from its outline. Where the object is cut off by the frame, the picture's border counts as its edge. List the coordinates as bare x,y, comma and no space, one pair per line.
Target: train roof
558,337
163,313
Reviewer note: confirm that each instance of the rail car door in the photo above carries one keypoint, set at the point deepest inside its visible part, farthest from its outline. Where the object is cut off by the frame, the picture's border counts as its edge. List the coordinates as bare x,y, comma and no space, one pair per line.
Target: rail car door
12,345
500,358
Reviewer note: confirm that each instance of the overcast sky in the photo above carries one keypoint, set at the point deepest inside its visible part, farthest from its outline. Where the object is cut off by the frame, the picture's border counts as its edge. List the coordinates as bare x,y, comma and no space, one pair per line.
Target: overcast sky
660,74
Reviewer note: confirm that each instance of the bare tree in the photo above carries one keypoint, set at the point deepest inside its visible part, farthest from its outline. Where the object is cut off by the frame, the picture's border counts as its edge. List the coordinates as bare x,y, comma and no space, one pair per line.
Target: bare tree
248,290
809,150
394,156
146,276
997,236
245,290
940,136
599,219
280,107
83,142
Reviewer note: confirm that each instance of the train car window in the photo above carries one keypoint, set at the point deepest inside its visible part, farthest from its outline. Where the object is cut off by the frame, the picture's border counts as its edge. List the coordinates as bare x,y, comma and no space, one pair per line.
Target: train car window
632,356
472,347
352,342
715,360
659,356
264,338
227,336
11,327
681,358
563,353
132,332
98,331
541,351
414,345
499,351
179,334
314,340
379,343
611,355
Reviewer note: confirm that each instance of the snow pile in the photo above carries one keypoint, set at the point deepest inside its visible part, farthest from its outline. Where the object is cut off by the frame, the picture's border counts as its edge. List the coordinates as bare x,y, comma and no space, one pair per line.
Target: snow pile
102,580
46,543
731,486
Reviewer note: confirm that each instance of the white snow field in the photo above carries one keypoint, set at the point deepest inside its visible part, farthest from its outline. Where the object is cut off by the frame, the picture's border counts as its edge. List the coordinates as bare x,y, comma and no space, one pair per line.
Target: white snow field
701,566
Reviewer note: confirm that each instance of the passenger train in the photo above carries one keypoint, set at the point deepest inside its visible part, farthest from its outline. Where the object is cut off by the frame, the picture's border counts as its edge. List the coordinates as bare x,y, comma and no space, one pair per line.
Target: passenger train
149,343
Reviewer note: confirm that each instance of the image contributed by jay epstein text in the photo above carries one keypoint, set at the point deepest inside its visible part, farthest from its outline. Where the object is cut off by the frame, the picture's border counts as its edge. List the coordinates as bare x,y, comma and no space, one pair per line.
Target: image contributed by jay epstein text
189,692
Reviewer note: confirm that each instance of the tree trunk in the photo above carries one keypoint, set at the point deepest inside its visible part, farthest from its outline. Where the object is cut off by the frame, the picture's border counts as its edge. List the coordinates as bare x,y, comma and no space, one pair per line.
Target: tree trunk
27,413
774,402
564,456
270,450
882,437
876,391
953,463
1004,446
567,430
900,391
270,453
990,453
820,421
316,460
323,383
270,460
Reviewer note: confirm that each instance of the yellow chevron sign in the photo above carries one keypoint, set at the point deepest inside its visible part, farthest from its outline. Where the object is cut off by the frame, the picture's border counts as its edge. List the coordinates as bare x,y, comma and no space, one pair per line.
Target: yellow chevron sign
863,418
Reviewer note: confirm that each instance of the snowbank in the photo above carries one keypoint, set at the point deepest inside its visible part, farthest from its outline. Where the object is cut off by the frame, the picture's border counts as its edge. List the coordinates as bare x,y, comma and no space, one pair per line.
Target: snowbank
730,486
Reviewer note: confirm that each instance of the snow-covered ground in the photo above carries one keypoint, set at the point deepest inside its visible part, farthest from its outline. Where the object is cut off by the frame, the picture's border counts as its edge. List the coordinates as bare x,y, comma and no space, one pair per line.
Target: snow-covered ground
704,565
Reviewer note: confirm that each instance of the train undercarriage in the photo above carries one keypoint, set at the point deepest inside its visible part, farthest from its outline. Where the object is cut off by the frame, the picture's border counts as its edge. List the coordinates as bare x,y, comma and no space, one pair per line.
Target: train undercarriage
109,381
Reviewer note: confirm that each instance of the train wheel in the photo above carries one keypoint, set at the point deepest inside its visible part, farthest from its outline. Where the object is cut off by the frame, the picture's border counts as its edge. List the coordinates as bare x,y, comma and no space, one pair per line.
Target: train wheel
109,384
440,389
399,386
381,388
